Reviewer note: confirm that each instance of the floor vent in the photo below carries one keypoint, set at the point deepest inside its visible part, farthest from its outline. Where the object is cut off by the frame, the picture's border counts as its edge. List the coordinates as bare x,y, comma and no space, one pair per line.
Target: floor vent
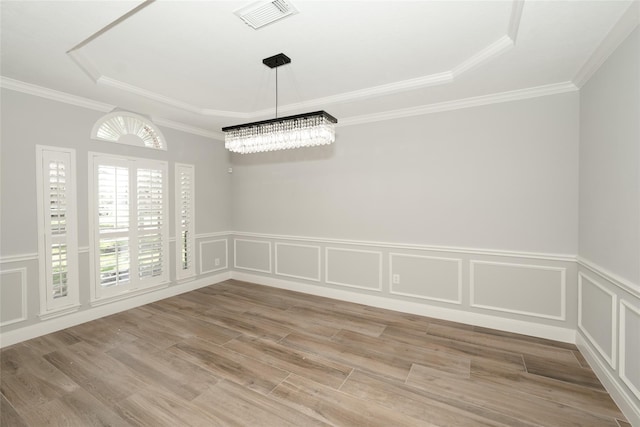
259,14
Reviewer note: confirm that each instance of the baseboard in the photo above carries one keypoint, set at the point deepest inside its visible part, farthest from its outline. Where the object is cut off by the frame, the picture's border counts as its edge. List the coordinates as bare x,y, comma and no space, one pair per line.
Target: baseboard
510,325
625,402
46,327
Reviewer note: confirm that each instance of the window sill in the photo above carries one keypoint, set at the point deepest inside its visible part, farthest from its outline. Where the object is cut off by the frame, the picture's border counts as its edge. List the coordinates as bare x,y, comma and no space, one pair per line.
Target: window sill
128,294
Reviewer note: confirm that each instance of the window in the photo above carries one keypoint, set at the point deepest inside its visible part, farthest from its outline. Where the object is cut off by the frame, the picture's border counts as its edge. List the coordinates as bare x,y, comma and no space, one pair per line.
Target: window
128,208
185,228
57,224
128,128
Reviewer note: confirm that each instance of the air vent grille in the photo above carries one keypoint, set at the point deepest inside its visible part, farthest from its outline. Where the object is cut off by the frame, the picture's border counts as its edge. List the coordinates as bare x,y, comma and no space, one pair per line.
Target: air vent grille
262,13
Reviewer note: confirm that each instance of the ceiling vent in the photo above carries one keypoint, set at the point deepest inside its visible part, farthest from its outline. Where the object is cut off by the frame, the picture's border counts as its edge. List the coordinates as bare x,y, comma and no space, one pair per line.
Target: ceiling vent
259,14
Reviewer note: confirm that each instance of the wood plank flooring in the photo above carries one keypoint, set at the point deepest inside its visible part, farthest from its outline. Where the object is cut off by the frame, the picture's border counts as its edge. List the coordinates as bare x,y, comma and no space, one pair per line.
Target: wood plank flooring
240,354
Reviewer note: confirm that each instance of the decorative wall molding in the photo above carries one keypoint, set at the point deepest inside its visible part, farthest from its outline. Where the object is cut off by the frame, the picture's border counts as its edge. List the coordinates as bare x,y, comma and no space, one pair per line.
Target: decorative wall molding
23,289
327,268
611,359
19,258
625,25
412,246
486,54
458,261
455,315
79,101
610,382
235,255
624,307
458,104
54,95
279,273
53,325
563,289
226,257
613,278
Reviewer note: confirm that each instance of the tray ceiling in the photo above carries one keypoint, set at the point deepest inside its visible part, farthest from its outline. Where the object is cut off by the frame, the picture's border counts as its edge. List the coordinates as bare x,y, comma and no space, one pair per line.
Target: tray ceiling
198,64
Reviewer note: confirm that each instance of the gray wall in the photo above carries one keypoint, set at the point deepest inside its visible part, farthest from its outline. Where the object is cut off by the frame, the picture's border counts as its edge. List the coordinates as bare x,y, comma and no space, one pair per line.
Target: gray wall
609,164
503,176
609,245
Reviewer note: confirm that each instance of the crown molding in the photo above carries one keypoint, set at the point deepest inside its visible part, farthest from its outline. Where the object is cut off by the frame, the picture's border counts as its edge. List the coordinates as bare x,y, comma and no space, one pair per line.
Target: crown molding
218,136
475,101
486,54
620,31
79,101
55,95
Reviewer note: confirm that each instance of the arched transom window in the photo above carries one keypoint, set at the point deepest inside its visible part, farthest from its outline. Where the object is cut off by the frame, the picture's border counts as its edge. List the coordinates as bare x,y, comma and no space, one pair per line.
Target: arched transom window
124,127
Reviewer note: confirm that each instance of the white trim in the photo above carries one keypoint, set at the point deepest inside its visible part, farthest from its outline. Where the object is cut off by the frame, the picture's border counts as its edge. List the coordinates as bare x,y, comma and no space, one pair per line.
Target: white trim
563,289
53,325
123,113
484,55
319,249
98,294
127,294
78,101
54,95
226,256
59,312
455,315
23,302
620,396
458,104
616,280
332,282
489,52
624,306
214,234
458,260
235,255
611,360
620,31
413,246
219,136
190,169
18,258
48,303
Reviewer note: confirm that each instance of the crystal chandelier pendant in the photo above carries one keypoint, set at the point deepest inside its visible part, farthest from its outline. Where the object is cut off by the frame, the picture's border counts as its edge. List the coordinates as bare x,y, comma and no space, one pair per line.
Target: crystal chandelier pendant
301,130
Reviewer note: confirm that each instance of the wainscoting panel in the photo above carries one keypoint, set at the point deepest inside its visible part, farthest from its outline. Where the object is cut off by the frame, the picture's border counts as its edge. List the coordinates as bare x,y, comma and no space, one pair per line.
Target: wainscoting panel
355,268
597,316
13,296
254,255
298,261
426,277
531,290
630,346
213,255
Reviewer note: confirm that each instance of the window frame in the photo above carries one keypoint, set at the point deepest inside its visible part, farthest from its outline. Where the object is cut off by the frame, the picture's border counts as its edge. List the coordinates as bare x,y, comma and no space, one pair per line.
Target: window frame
136,285
130,138
51,306
190,271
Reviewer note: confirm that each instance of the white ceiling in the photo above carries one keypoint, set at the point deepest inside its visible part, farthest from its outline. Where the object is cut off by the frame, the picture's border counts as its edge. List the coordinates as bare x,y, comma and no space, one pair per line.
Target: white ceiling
196,63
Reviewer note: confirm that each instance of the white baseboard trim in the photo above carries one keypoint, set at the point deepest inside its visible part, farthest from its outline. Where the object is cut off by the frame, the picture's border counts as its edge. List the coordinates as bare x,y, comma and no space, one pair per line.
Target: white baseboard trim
510,325
46,327
627,404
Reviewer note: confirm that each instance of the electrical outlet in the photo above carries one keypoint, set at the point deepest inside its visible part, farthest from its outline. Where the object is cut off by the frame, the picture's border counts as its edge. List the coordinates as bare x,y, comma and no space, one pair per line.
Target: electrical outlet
217,262
396,279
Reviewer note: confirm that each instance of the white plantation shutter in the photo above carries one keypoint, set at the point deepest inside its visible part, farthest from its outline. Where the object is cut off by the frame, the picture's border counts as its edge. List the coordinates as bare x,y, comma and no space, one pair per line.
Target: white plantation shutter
58,245
150,222
185,226
130,244
113,223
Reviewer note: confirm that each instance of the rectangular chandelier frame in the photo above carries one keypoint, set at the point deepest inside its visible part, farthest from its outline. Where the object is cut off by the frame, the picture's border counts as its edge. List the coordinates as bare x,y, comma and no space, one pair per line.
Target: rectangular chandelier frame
300,130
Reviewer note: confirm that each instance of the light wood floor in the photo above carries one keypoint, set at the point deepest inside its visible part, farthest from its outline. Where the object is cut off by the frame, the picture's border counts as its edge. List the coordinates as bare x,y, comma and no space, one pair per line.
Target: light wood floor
242,354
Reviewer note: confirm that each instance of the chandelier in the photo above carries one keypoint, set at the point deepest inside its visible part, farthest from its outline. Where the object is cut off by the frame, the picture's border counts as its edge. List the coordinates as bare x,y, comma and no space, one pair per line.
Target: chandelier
300,130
